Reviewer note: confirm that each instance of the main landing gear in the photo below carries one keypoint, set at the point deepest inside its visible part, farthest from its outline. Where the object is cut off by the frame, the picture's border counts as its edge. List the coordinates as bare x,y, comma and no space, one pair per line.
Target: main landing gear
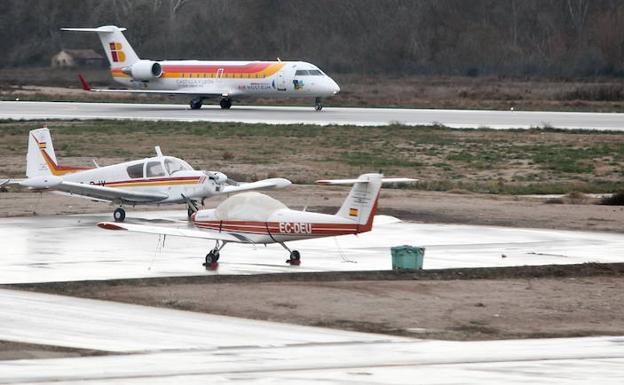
119,214
295,257
196,103
212,257
225,103
317,104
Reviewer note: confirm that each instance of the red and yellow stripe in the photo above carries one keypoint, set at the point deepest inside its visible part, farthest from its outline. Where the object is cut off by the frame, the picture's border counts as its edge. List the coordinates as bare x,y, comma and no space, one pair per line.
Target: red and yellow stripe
154,182
245,71
55,169
273,228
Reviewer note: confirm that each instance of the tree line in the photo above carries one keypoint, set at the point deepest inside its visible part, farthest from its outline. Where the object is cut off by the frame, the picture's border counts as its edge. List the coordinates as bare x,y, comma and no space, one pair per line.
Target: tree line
396,37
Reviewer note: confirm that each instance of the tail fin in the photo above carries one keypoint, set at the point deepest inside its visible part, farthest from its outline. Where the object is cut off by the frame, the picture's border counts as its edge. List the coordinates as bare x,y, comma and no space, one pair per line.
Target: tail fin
361,203
41,159
118,50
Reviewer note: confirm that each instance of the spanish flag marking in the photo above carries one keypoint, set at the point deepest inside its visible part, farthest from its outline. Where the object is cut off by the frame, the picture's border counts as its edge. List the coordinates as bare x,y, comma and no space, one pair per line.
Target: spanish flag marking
42,145
353,212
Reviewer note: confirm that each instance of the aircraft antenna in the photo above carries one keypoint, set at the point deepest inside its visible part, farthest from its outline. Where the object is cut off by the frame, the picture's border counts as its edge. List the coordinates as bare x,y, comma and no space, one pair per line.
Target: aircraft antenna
341,253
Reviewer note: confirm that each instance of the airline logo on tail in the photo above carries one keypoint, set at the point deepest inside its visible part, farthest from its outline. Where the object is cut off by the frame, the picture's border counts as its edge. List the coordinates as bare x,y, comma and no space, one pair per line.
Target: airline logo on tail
54,168
116,53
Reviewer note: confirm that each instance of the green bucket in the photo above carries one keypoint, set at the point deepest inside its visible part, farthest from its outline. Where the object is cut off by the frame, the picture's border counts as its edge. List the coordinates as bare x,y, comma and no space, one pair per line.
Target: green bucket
407,257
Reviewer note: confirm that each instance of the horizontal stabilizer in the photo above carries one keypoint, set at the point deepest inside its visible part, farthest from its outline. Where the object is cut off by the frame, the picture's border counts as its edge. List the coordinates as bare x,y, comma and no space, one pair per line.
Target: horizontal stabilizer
103,29
352,181
8,182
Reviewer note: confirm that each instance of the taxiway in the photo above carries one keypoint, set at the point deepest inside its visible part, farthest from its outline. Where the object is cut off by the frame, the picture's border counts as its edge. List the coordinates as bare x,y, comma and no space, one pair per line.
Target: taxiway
307,115
71,247
154,345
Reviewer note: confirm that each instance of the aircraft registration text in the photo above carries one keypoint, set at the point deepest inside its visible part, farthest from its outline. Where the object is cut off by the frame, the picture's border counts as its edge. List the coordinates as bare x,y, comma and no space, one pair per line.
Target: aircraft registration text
295,228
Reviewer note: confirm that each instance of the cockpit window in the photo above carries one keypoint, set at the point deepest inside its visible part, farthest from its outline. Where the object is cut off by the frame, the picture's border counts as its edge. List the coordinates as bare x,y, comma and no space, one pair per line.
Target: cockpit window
135,171
174,165
154,169
315,72
301,73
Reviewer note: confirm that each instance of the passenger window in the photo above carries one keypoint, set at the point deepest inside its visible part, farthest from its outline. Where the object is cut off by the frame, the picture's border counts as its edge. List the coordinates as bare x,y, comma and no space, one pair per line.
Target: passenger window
301,72
135,171
315,72
173,166
154,169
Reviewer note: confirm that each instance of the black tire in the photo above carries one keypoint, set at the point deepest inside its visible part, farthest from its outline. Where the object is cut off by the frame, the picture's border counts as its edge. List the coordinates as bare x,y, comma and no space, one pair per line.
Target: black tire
295,256
196,104
119,215
225,104
211,258
318,107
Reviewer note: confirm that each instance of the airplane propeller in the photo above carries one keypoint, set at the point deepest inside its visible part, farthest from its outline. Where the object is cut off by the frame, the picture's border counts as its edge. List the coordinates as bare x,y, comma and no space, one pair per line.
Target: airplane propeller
220,178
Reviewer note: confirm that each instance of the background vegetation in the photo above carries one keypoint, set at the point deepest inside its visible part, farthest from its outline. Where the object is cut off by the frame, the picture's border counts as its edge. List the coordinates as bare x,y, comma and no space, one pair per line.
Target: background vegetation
487,161
453,37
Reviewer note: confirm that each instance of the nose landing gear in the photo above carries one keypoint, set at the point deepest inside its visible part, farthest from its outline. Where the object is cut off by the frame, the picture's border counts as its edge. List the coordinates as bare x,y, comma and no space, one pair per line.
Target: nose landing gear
317,104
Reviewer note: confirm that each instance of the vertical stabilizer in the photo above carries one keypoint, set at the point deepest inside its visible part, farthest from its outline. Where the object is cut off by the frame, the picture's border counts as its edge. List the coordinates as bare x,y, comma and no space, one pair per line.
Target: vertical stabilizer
361,204
118,50
40,153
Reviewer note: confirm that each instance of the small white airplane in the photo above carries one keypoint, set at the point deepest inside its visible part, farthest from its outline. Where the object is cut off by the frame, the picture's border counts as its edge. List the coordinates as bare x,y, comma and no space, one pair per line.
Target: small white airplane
256,218
157,180
225,80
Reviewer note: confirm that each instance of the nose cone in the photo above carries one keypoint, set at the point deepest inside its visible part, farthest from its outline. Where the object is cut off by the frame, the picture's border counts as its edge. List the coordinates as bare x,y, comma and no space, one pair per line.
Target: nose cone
333,86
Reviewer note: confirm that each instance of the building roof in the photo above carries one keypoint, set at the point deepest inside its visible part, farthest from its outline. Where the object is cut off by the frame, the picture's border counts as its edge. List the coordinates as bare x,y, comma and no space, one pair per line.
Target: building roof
83,54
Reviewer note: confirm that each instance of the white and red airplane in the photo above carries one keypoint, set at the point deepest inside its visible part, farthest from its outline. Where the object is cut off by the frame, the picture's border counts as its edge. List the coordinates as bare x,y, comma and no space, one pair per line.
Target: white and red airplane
225,80
256,218
157,180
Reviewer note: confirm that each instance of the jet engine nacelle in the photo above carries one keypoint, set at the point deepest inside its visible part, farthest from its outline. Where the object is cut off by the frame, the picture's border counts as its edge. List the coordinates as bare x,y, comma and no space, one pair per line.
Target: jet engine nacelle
144,70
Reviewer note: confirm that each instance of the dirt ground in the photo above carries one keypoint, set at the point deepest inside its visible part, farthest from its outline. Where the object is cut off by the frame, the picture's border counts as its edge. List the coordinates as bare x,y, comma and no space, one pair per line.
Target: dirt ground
10,350
454,304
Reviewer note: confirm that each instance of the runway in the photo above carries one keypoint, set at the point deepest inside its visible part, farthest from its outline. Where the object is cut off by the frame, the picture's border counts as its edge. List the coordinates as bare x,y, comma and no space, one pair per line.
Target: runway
71,247
307,115
158,346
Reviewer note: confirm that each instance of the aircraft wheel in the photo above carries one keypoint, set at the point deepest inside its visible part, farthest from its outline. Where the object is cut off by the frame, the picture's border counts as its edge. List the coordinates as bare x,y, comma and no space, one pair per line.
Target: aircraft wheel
317,104
295,258
212,259
225,104
119,214
196,104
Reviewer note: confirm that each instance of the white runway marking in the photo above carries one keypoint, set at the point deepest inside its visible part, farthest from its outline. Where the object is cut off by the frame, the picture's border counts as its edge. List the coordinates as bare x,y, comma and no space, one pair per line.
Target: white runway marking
307,115
183,347
71,247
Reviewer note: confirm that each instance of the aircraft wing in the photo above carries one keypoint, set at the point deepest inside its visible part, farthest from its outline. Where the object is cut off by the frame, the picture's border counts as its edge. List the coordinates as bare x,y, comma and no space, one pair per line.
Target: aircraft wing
176,232
261,184
109,193
183,91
